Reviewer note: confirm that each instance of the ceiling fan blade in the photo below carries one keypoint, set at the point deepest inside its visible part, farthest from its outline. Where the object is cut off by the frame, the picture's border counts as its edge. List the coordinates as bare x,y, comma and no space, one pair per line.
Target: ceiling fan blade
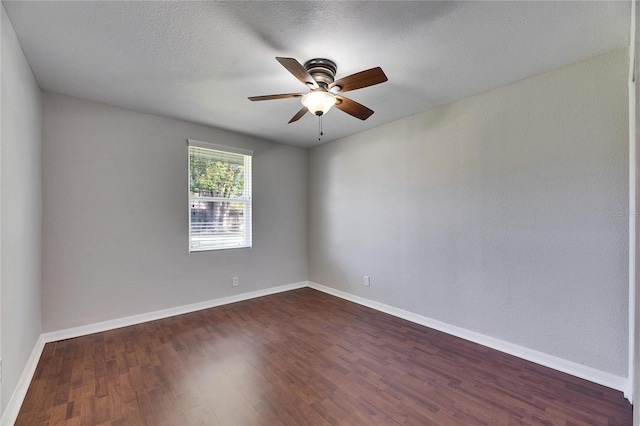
298,115
360,79
353,108
270,97
300,72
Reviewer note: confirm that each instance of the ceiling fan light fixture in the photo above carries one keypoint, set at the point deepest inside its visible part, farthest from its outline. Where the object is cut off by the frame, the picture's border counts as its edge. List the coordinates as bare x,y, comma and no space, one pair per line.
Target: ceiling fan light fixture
319,101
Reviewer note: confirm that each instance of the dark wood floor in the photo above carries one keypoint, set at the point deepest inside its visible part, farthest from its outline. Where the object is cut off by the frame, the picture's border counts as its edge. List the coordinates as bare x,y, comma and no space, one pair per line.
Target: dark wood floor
301,358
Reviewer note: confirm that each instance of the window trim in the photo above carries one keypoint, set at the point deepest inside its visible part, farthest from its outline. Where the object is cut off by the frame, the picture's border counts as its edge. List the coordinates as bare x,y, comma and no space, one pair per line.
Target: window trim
231,149
248,202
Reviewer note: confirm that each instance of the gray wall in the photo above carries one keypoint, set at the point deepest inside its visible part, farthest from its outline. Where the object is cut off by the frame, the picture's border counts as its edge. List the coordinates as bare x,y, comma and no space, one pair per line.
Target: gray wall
635,44
504,213
20,200
115,215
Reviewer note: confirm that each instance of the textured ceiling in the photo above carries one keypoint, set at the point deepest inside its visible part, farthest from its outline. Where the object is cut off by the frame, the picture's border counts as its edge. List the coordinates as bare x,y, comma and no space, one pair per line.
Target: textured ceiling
199,61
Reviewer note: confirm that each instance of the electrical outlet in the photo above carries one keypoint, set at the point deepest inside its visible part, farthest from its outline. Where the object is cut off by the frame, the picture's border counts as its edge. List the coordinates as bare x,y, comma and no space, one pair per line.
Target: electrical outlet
367,281
234,282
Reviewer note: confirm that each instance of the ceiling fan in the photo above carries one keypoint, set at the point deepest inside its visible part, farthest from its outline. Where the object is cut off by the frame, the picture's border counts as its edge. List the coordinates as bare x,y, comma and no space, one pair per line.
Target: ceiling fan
318,74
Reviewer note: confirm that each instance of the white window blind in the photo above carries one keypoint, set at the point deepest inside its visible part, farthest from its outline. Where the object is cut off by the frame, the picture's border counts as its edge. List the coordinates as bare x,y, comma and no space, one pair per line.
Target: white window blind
219,197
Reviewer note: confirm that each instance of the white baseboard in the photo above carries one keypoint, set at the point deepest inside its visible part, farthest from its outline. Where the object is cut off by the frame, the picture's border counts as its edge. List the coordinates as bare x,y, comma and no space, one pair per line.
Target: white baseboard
582,371
11,413
13,407
97,327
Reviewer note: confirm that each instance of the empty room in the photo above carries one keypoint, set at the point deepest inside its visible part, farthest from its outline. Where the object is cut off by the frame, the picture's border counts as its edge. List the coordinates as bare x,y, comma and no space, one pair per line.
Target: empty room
318,213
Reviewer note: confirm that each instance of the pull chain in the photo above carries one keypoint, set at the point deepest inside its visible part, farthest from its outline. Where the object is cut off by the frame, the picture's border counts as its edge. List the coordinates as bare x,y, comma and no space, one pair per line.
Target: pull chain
320,134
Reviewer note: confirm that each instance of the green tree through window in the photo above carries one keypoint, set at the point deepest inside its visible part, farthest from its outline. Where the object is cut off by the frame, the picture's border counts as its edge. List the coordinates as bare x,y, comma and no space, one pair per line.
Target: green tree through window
220,199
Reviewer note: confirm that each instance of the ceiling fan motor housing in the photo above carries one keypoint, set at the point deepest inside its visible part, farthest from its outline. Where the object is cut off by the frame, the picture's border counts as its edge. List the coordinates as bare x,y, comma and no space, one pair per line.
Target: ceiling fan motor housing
322,70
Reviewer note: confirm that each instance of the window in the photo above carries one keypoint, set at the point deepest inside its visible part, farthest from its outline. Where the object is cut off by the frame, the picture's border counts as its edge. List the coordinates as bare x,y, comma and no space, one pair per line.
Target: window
219,197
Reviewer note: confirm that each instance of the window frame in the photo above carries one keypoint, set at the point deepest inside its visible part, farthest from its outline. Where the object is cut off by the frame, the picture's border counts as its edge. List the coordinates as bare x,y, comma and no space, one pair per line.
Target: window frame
246,199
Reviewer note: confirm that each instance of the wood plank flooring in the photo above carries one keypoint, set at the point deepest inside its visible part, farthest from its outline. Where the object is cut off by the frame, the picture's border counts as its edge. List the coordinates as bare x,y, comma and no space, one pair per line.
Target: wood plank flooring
301,358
